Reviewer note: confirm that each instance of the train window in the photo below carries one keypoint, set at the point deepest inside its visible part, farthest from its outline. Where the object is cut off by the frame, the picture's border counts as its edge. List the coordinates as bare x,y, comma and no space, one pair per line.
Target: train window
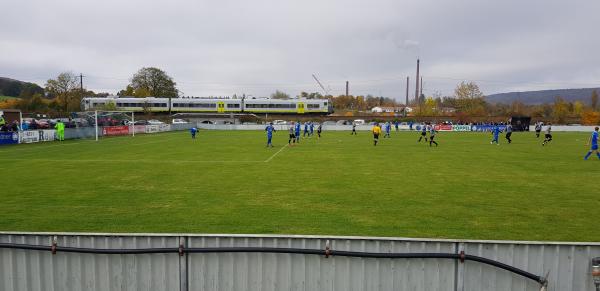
312,105
233,106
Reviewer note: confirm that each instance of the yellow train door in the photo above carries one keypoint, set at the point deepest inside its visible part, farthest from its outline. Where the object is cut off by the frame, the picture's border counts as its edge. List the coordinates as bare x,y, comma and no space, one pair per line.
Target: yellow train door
221,107
300,108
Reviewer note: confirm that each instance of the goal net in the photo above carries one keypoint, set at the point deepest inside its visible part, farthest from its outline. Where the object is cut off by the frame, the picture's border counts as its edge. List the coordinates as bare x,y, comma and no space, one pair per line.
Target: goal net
96,124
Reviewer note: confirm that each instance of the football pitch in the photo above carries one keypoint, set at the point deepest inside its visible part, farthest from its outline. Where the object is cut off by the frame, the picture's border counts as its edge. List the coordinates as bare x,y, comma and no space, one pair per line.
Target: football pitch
229,182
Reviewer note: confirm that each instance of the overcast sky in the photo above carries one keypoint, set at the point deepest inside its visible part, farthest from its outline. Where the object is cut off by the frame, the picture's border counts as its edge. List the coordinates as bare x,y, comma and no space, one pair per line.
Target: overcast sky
223,47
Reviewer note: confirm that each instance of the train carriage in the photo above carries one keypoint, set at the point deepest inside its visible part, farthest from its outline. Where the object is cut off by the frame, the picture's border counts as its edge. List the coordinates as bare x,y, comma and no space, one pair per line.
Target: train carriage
150,104
206,105
281,106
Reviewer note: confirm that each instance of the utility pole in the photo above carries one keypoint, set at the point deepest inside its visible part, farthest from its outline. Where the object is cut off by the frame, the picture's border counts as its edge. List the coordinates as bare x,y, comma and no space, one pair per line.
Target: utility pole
347,86
81,84
406,104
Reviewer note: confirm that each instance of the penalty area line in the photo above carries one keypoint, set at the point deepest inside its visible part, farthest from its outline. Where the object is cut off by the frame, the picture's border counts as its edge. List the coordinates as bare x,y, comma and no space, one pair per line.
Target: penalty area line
269,159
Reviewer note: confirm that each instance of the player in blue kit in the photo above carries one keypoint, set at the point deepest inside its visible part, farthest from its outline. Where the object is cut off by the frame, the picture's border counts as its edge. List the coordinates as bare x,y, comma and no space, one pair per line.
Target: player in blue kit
193,131
594,142
305,129
496,133
270,129
297,133
388,128
312,129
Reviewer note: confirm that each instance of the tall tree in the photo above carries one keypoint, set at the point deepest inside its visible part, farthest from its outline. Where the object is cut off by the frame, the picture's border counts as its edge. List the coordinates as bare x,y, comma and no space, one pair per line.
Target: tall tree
280,95
470,98
594,100
66,91
560,110
153,82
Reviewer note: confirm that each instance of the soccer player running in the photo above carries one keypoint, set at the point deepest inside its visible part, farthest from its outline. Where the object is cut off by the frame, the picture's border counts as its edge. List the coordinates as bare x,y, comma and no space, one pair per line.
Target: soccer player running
538,129
270,129
293,129
376,132
548,135
305,129
193,132
423,132
312,128
594,142
353,129
432,133
508,132
496,134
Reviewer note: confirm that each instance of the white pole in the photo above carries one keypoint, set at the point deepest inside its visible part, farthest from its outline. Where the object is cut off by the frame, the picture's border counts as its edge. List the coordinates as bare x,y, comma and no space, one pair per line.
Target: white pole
96,119
133,122
20,125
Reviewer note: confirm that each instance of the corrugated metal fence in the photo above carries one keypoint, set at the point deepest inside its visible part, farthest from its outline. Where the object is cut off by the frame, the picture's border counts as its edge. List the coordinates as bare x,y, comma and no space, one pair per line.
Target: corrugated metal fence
568,264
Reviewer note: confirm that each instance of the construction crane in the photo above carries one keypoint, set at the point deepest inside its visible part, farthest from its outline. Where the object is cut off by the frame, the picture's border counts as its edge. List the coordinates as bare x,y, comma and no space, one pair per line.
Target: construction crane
321,85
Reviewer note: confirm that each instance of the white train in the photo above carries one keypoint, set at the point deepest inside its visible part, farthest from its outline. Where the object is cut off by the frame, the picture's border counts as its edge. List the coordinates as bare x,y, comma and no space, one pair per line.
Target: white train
208,105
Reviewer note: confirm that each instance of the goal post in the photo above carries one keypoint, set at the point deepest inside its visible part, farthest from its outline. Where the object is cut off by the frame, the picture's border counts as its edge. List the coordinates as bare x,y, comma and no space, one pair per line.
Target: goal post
99,123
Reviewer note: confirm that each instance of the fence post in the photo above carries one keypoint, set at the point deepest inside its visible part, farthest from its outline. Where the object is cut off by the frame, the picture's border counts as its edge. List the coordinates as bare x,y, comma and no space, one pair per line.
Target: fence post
459,276
183,265
96,121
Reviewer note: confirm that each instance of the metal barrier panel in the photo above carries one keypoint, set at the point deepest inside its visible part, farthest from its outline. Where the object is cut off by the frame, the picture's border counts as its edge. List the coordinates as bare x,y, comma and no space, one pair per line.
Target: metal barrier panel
568,264
37,270
264,271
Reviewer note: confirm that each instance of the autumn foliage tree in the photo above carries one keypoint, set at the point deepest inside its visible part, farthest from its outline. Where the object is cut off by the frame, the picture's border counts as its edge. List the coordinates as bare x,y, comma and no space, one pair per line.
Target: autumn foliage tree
66,91
470,99
151,82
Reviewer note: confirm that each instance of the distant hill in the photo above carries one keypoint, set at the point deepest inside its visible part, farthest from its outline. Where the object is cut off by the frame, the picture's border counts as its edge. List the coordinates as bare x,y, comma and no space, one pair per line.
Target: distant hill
14,88
544,96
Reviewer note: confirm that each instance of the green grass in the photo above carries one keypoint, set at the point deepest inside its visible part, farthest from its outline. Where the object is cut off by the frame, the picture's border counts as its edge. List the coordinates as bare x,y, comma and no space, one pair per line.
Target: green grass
228,182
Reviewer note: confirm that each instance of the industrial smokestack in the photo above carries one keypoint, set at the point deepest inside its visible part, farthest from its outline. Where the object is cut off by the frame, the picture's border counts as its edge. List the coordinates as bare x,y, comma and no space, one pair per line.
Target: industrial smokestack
417,82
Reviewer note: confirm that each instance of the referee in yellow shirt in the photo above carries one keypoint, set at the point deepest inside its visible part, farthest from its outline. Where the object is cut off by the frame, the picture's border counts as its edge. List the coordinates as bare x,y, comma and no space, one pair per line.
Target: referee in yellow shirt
376,132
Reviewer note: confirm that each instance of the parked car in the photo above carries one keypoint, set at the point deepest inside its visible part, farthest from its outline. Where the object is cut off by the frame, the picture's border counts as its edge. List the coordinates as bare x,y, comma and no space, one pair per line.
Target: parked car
329,122
279,122
42,124
179,121
343,122
207,122
359,121
155,122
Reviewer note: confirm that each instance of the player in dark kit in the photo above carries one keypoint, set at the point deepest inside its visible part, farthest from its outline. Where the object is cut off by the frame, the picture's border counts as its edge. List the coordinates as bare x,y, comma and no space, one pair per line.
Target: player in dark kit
423,132
319,129
353,129
432,136
508,132
548,135
292,130
538,129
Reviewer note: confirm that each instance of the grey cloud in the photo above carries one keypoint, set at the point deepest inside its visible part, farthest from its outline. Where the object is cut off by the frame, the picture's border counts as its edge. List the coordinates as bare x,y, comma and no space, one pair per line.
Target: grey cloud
256,47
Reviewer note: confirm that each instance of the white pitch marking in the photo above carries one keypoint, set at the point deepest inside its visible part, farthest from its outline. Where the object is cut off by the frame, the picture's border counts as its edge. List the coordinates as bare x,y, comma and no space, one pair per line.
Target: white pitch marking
269,159
126,161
